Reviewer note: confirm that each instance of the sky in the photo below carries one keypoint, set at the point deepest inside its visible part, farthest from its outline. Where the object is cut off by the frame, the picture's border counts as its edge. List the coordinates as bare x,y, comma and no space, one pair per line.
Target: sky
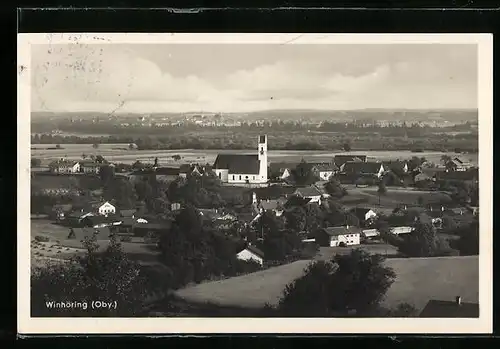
249,77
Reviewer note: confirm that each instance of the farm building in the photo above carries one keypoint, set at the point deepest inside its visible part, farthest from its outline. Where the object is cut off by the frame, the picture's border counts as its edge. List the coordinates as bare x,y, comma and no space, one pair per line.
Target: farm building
296,201
450,309
90,167
401,230
339,160
101,221
241,168
312,193
364,215
281,170
64,166
325,171
363,168
251,253
338,236
457,164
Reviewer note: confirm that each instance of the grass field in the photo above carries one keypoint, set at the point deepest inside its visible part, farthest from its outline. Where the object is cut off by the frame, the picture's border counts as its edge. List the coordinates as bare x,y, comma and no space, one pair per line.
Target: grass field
393,197
121,153
418,281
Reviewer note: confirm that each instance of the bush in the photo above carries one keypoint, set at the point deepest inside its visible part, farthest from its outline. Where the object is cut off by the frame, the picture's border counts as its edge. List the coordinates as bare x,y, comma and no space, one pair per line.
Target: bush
126,238
40,238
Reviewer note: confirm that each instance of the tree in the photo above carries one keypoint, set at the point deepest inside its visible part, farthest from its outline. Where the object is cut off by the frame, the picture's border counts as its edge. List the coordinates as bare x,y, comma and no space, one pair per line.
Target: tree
445,159
58,146
303,174
382,189
138,165
176,157
420,200
109,276
295,219
36,162
468,243
346,146
334,188
421,242
355,283
95,145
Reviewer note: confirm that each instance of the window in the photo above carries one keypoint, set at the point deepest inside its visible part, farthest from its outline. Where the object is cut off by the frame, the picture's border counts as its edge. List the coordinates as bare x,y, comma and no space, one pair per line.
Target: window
246,177
253,177
240,177
220,175
233,177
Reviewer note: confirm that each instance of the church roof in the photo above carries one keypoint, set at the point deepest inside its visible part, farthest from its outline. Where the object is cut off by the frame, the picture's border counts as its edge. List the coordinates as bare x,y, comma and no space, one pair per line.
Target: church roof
238,163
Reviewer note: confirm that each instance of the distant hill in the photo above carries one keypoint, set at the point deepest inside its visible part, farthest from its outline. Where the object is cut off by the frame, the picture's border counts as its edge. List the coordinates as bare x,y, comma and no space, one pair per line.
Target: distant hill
452,115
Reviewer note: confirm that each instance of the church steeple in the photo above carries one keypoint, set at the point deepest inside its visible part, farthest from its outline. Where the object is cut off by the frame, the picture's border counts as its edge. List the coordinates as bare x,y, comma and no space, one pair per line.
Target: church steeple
262,151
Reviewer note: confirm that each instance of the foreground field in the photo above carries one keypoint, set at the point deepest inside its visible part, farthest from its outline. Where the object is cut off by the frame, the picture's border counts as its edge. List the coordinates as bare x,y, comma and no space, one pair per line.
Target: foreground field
121,153
60,247
418,281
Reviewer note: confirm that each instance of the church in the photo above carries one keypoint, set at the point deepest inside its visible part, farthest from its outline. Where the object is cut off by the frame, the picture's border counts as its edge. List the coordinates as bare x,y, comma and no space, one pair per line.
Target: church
243,168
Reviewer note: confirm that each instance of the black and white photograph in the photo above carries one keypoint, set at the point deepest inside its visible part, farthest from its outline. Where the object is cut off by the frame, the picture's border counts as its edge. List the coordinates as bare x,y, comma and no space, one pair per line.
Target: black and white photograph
306,183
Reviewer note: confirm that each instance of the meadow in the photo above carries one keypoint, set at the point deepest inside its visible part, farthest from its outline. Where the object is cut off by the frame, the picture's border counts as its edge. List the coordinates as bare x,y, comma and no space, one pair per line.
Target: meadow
444,278
121,153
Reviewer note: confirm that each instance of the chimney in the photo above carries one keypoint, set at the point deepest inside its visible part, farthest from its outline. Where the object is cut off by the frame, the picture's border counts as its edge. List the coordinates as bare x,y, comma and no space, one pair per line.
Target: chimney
458,300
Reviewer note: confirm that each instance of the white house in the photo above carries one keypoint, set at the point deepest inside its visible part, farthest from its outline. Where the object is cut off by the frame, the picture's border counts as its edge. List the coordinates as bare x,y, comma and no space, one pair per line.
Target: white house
370,233
106,208
64,166
339,236
363,214
325,171
251,253
311,192
243,168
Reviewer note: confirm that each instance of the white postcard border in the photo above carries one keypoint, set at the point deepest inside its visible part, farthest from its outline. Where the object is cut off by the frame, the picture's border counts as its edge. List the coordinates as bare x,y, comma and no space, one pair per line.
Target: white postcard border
28,325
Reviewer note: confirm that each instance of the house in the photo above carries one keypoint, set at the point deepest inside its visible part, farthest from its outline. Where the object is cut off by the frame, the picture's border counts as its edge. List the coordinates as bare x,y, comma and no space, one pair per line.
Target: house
101,221
251,253
457,164
296,201
370,233
450,309
209,214
175,206
77,217
80,234
397,167
104,208
59,212
423,177
311,192
338,236
64,166
364,215
363,168
276,206
339,160
191,169
325,171
90,167
281,170
166,174
271,192
243,168
470,175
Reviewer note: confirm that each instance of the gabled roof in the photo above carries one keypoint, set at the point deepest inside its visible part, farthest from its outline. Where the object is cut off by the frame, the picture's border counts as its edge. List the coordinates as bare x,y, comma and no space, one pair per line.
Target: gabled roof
90,163
395,166
339,160
450,309
63,162
308,191
238,163
336,231
271,204
360,212
326,167
271,192
296,201
361,167
254,250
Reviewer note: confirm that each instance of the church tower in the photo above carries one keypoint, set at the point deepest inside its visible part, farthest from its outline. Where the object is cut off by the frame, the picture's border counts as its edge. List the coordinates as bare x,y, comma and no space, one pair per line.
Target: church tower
263,158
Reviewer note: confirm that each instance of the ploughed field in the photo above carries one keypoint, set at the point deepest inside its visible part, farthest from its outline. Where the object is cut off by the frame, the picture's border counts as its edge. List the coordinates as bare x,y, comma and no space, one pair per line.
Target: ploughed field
121,153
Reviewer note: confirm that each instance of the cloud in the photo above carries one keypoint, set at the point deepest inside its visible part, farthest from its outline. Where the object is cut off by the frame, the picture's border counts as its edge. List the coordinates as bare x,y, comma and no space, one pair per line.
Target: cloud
100,78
